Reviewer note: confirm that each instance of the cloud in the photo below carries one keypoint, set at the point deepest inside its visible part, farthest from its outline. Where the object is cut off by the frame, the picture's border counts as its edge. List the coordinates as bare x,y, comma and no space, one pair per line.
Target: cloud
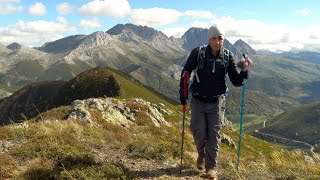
38,9
155,16
199,14
112,8
176,32
87,24
277,38
271,37
8,8
65,8
303,12
34,33
200,24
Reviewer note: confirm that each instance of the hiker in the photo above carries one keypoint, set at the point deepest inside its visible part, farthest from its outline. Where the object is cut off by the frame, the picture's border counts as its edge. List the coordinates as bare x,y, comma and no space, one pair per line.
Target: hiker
209,65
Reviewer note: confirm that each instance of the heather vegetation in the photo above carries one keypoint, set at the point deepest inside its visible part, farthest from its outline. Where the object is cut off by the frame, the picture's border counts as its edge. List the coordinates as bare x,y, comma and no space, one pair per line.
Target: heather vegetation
66,149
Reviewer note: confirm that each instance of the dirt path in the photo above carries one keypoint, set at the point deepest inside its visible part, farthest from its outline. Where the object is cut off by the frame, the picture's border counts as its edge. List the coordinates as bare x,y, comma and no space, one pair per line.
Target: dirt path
142,168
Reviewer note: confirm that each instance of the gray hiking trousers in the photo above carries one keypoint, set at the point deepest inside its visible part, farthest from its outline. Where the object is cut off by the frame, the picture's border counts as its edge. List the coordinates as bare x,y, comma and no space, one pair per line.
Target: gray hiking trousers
205,125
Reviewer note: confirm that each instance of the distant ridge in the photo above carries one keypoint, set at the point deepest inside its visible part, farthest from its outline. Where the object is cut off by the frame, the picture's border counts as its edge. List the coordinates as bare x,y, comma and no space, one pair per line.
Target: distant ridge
97,82
14,46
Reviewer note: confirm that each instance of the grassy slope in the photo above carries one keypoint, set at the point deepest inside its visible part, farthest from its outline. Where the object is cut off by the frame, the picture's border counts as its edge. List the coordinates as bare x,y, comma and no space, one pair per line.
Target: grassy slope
299,123
71,149
97,83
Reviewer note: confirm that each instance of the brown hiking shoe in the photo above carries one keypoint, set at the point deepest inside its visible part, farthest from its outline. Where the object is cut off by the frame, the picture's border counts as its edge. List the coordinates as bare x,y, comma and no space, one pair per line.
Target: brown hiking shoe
212,174
200,162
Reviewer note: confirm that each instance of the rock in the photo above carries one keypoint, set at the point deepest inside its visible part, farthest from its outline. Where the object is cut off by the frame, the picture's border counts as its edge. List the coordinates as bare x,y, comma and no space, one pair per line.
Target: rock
116,117
228,124
228,141
80,113
308,159
116,111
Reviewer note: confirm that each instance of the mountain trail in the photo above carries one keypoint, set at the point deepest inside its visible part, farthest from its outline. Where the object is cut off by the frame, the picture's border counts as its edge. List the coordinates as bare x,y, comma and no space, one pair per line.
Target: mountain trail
141,168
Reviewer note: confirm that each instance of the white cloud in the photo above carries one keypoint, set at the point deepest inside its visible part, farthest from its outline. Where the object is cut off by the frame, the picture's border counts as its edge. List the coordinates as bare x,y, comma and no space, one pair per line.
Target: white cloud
65,8
200,24
260,35
7,8
199,14
303,12
176,32
34,33
38,9
112,8
271,37
155,16
94,23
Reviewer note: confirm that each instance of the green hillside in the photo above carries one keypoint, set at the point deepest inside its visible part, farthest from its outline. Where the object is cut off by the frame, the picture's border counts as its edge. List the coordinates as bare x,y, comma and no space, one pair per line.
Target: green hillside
71,149
257,102
289,70
301,123
98,82
63,71
27,101
20,74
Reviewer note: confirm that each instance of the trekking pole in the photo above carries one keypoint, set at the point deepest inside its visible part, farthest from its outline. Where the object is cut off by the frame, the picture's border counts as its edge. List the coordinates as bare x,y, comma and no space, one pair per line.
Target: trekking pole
185,94
244,86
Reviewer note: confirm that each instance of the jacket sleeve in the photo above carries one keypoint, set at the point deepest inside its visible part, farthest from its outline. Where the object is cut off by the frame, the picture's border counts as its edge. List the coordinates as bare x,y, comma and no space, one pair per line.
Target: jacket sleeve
236,78
189,66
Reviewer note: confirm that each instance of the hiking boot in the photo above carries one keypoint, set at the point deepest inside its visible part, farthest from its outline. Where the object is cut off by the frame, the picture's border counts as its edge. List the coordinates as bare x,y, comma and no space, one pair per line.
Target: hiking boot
200,162
212,174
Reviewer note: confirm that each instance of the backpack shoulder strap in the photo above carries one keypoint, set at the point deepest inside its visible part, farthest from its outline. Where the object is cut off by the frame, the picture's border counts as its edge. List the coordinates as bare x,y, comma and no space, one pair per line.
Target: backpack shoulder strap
200,59
201,53
226,58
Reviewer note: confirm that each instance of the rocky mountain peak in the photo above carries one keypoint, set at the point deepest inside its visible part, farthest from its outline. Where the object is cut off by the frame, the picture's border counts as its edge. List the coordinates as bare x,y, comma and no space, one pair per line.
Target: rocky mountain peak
244,47
145,32
14,46
194,37
62,45
98,38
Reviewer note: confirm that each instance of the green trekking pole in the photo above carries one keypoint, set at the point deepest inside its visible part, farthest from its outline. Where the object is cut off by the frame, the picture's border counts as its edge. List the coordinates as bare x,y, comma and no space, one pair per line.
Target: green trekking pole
244,87
185,94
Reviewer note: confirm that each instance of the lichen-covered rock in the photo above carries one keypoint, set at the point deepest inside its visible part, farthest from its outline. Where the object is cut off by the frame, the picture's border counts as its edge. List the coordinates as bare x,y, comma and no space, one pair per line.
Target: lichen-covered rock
116,111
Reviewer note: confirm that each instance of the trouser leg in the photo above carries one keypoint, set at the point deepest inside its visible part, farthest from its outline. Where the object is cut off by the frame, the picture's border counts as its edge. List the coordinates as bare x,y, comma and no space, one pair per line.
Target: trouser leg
213,137
198,125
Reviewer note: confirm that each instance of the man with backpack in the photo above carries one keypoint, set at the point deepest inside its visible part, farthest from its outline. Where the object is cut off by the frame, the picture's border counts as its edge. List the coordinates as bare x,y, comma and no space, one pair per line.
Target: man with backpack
209,66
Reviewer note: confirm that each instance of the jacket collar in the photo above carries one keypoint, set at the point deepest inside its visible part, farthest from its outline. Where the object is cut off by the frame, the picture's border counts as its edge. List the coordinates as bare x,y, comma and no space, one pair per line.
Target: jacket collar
210,56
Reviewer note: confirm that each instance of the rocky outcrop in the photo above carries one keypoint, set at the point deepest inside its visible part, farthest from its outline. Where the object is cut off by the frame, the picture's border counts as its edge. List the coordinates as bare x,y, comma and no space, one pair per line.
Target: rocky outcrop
117,111
228,141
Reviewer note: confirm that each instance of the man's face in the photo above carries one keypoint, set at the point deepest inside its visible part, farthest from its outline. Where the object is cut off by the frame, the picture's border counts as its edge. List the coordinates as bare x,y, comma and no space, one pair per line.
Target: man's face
216,43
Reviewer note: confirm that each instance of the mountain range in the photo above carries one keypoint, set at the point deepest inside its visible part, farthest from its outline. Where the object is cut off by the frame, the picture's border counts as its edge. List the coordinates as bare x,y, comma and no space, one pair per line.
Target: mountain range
155,60
133,63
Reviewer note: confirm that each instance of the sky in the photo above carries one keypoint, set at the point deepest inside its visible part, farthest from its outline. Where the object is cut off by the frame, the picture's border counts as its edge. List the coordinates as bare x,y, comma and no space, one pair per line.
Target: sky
274,25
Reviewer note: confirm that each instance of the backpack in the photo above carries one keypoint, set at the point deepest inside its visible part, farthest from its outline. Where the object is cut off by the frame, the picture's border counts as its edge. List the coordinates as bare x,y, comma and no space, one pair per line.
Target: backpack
201,61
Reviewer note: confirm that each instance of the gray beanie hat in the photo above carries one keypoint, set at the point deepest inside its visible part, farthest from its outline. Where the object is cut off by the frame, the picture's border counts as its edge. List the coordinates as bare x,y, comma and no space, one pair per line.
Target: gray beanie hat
214,31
